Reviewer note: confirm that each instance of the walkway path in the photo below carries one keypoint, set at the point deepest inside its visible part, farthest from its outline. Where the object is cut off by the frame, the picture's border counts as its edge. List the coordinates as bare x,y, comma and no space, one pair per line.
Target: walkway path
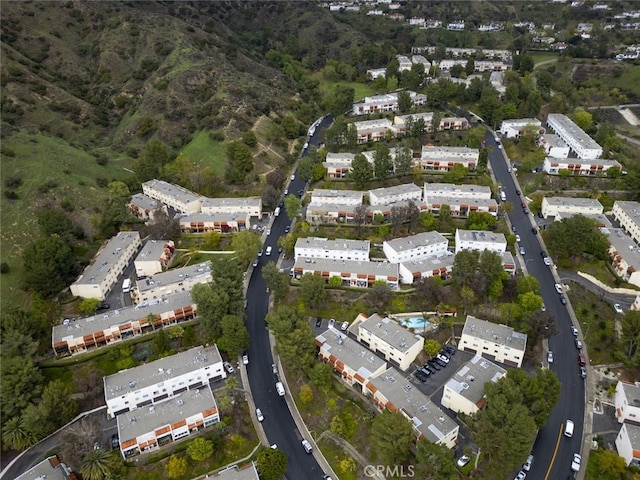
357,456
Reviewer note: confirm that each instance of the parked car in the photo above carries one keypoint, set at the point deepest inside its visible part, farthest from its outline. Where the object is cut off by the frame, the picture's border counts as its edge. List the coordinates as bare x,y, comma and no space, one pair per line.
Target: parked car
518,192
274,369
534,230
583,372
307,446
425,371
575,463
344,326
578,344
547,261
525,211
558,288
550,356
332,322
420,376
430,368
440,362
287,229
115,442
106,306
520,476
259,415
463,460
260,252
228,367
563,300
442,358
318,322
521,250
255,262
245,359
435,365
617,308
527,465
574,330
451,350
517,238
513,228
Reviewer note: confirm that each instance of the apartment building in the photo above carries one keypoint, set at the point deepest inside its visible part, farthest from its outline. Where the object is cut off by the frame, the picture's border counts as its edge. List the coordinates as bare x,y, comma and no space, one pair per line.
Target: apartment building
568,206
373,130
628,214
246,471
479,65
356,365
498,343
398,345
154,257
439,265
464,391
402,123
515,127
337,197
480,240
554,146
221,222
387,102
628,444
319,213
392,391
338,249
51,468
83,334
172,281
453,123
352,272
508,262
386,209
251,206
156,425
154,382
461,207
338,165
398,193
174,196
146,208
456,191
442,159
415,247
627,402
582,144
575,166
107,265
624,254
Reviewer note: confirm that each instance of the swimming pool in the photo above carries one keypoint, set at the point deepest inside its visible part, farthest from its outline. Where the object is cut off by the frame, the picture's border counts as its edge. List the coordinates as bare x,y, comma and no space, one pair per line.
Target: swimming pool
415,322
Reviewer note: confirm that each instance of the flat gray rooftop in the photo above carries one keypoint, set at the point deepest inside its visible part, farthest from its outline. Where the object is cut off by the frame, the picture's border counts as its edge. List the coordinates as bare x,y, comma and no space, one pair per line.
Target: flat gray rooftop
396,190
414,241
492,332
152,250
632,209
176,192
574,131
569,202
49,469
171,277
469,380
389,331
450,189
352,266
481,236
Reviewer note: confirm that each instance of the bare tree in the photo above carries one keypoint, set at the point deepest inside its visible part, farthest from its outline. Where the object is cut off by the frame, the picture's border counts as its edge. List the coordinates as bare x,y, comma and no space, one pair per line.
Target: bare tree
360,214
398,216
78,440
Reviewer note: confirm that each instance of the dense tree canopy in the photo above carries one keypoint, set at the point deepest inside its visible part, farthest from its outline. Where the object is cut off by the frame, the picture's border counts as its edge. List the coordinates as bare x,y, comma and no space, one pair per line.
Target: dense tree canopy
49,265
391,436
576,236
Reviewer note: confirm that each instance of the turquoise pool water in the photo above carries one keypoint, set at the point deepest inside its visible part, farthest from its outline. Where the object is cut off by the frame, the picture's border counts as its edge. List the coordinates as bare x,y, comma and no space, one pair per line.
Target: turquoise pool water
415,322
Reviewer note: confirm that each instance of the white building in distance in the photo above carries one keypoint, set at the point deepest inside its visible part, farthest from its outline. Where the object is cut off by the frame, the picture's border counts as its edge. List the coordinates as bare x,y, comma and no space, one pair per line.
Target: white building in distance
174,196
568,206
457,191
352,272
444,158
514,128
146,208
554,146
582,144
338,249
498,343
576,166
387,102
398,193
628,214
337,197
154,256
480,240
415,247
249,205
172,281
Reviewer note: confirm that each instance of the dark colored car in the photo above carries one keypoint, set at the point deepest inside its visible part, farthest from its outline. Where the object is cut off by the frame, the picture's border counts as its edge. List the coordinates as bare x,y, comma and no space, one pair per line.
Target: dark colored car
563,300
440,362
425,371
518,192
543,254
430,368
534,230
435,364
318,321
420,376
286,230
450,350
103,306
115,442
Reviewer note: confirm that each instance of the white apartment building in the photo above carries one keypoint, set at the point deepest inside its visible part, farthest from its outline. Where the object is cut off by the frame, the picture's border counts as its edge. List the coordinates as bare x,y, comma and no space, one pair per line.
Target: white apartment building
245,205
50,468
624,254
439,265
150,427
154,256
398,345
404,62
456,191
453,123
387,102
627,402
373,130
480,240
461,207
582,144
392,391
386,209
337,197
172,281
107,265
154,382
568,206
576,166
415,247
352,272
374,73
628,444
515,127
464,391
83,334
338,249
402,123
479,65
351,360
498,343
338,165
444,158
628,214
146,208
174,196
246,471
554,146
398,193
221,222
319,213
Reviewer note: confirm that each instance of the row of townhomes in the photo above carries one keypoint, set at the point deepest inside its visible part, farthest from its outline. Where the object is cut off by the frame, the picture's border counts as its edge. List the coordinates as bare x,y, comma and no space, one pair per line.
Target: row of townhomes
570,148
331,206
378,377
165,400
383,128
409,259
624,242
198,214
627,404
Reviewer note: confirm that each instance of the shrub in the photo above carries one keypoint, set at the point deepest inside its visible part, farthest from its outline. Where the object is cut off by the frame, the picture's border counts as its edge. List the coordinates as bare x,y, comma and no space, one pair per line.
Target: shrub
4,267
102,182
13,182
11,194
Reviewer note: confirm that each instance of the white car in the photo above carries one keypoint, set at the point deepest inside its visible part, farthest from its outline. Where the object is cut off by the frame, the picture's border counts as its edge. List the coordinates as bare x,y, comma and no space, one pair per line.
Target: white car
543,307
527,465
574,330
344,326
463,460
521,475
547,261
444,358
617,308
259,415
293,177
245,359
550,360
518,238
332,322
575,463
228,367
558,288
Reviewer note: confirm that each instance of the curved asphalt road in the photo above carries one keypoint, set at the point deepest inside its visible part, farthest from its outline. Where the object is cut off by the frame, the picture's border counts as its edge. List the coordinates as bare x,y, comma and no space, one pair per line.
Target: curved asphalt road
278,424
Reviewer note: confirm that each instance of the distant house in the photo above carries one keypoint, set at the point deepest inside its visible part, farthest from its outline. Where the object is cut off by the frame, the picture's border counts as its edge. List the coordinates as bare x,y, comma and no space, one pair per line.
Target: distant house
580,142
576,166
415,247
514,128
554,146
404,192
235,205
172,281
444,158
498,343
221,222
480,240
387,102
337,197
353,273
624,254
338,249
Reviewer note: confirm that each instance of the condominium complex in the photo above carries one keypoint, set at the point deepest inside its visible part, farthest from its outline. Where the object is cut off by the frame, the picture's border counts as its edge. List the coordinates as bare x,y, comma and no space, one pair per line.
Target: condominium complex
352,272
154,256
498,343
624,254
107,265
554,146
567,206
461,207
338,249
415,247
514,128
387,102
582,144
146,208
51,468
172,281
389,195
575,166
444,158
221,222
456,191
336,197
480,240
628,215
174,196
241,205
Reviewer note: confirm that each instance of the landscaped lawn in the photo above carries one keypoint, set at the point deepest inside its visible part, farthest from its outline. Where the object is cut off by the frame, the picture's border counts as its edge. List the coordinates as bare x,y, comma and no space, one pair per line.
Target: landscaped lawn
361,90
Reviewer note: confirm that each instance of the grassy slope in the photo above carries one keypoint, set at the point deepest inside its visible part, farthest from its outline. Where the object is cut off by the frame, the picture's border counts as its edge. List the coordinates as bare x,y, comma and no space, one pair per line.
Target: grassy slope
204,151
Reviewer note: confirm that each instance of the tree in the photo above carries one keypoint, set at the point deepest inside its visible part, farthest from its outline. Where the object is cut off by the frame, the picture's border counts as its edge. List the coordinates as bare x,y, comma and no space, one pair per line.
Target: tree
312,289
294,337
340,100
391,436
87,306
397,215
292,205
428,221
320,376
430,291
468,298
246,245
418,127
361,172
465,265
630,339
360,215
49,265
19,382
200,449
96,465
153,159
176,467
404,101
456,173
470,67
15,434
305,168
403,160
608,463
249,138
527,283
271,464
379,295
161,343
212,306
54,222
583,119
305,394
480,221
240,162
431,347
382,161
457,70
576,236
276,281
57,404
434,461
235,336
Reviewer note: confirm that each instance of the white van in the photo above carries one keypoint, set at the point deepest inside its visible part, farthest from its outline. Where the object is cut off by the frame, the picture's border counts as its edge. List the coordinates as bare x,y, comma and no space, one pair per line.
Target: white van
277,211
568,429
503,196
267,251
280,389
126,285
